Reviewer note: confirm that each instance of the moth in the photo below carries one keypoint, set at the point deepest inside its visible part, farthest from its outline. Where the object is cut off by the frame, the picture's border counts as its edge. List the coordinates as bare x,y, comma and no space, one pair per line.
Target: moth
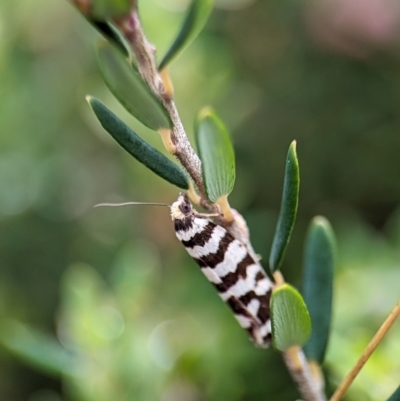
239,279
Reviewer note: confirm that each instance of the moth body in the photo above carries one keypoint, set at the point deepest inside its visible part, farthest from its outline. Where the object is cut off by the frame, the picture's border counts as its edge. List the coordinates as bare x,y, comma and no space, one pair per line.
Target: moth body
240,280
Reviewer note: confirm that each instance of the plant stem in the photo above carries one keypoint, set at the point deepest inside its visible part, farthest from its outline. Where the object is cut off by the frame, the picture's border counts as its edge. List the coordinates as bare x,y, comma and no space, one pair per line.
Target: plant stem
388,323
145,55
309,387
132,29
299,370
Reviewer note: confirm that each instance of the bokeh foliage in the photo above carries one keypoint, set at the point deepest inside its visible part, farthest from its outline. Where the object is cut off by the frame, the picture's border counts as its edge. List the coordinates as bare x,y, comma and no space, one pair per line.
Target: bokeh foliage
260,70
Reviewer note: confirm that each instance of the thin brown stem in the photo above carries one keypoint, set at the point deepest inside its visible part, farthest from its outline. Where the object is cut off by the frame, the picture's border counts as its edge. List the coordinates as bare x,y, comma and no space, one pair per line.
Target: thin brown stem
298,367
388,323
145,55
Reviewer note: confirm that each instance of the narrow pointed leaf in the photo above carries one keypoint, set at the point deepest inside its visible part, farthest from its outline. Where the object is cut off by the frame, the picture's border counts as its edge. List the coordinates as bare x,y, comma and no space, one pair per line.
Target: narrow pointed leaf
108,9
291,324
216,154
395,396
129,88
194,22
36,349
137,147
107,29
319,263
287,214
111,33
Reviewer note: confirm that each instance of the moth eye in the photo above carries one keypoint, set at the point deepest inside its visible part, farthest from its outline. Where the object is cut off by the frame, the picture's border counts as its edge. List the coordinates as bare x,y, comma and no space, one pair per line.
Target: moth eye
186,208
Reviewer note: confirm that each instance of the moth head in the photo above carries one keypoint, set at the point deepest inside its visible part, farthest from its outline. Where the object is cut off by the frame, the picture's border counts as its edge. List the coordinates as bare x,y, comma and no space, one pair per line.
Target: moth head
181,208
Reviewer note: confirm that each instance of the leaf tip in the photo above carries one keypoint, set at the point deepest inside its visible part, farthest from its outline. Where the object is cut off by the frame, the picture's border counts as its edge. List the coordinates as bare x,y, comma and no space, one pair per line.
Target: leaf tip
290,319
206,112
319,221
292,154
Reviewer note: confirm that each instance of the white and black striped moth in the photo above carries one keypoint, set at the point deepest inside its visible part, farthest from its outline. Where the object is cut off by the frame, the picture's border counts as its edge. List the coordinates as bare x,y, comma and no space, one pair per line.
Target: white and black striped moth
239,279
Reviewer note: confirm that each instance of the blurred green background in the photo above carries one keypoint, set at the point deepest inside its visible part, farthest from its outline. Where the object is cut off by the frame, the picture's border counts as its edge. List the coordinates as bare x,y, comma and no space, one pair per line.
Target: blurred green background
133,314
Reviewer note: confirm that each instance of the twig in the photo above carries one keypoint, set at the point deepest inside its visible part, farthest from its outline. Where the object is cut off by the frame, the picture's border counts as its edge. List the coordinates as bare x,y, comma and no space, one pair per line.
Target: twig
388,323
298,367
145,52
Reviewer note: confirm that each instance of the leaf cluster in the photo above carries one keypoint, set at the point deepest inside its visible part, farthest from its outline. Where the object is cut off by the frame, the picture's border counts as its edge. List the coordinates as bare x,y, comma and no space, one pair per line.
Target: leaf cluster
291,319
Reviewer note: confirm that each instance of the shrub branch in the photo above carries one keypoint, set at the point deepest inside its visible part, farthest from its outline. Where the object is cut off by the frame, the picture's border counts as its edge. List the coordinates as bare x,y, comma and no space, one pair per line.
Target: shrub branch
180,147
145,55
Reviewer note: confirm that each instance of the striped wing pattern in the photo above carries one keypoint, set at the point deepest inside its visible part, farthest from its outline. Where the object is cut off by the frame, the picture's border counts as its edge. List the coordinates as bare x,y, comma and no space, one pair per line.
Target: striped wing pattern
240,281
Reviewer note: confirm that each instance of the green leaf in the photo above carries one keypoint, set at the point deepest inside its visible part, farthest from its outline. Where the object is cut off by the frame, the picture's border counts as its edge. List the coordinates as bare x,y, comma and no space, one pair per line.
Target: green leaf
319,263
395,396
108,30
287,214
194,22
108,9
35,348
291,323
129,88
137,147
216,153
111,33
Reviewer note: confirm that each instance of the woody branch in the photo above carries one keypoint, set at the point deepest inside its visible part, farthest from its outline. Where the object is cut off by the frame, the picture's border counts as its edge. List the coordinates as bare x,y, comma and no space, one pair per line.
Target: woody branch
145,55
176,140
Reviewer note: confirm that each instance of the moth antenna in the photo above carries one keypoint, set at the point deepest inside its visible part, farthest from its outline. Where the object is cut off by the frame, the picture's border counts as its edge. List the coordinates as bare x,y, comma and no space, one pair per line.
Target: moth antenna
131,203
